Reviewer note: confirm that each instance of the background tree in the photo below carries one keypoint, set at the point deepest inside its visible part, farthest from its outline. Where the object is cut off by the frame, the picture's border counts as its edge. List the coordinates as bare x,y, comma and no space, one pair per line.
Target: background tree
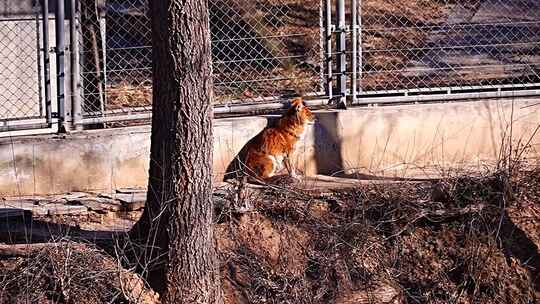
176,225
93,67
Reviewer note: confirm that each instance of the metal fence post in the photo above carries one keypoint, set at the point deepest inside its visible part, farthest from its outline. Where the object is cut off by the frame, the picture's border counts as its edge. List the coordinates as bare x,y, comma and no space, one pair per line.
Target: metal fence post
322,39
354,58
340,51
76,108
60,68
46,62
328,31
359,48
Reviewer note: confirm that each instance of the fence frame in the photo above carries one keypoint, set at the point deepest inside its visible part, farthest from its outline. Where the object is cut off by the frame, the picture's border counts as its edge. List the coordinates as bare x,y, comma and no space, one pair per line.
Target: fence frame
340,87
359,96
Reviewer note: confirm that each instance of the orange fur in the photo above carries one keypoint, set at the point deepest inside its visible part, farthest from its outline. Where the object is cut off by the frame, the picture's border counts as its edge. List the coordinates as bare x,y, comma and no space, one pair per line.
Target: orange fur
274,146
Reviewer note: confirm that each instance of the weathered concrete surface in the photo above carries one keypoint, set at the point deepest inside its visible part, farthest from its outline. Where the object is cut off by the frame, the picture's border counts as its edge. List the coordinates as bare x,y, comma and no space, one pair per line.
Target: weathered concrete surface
421,140
101,160
403,141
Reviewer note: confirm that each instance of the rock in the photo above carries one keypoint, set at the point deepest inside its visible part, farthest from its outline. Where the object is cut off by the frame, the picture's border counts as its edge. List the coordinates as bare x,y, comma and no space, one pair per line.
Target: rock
62,209
74,195
27,198
130,202
130,190
30,205
100,204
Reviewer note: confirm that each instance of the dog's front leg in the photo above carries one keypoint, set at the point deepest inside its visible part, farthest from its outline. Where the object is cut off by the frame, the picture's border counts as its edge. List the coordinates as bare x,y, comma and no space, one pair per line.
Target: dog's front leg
290,168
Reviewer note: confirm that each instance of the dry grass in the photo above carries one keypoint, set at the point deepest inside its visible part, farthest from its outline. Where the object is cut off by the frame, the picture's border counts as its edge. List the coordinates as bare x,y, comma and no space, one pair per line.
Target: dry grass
69,272
458,240
449,242
124,95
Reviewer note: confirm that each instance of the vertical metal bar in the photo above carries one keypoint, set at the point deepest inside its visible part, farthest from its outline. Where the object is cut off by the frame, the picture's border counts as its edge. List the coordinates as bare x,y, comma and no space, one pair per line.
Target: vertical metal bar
46,62
354,55
102,32
328,33
76,108
38,53
322,40
60,68
359,48
341,56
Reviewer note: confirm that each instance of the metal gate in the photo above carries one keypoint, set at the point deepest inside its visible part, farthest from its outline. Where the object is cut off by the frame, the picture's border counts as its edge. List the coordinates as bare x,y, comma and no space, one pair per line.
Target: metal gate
403,51
23,104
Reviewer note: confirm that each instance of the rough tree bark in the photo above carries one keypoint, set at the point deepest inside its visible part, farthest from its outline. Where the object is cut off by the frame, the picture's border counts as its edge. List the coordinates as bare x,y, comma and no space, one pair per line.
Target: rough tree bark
176,225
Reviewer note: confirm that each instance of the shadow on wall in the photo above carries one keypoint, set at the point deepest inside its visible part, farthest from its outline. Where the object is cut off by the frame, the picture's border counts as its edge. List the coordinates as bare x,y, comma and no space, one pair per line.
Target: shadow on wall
327,145
235,168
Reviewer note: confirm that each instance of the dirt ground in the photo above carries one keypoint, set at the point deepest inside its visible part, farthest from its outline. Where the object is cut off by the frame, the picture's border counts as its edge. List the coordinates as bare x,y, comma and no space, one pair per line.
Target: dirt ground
457,240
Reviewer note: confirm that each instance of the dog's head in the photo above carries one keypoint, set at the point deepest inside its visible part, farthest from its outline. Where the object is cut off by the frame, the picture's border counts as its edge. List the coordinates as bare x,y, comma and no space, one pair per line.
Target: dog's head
301,111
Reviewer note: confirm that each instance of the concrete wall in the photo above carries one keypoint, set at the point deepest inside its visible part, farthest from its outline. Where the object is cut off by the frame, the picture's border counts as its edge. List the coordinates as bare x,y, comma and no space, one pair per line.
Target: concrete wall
408,141
421,140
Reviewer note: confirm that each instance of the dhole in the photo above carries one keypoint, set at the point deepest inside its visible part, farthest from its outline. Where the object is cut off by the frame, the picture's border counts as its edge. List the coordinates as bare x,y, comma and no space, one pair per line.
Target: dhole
273,147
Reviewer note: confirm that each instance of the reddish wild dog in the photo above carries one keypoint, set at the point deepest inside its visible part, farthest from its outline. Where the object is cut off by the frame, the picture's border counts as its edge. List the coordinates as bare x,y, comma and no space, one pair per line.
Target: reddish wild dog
273,148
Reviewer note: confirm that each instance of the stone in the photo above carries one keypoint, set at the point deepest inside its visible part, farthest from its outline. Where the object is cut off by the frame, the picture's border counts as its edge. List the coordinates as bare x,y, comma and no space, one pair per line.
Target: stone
74,195
30,205
130,202
61,209
130,190
100,204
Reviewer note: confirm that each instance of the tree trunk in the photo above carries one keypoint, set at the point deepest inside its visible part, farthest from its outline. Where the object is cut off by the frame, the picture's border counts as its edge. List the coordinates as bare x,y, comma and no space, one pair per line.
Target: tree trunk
176,226
93,57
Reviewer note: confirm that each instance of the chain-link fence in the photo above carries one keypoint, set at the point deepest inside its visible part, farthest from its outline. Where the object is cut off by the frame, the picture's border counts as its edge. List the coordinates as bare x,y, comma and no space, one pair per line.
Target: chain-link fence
262,49
114,43
409,46
20,64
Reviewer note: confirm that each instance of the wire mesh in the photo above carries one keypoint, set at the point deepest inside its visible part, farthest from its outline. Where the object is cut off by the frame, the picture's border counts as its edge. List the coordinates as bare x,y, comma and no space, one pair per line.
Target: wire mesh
115,56
262,49
414,45
20,94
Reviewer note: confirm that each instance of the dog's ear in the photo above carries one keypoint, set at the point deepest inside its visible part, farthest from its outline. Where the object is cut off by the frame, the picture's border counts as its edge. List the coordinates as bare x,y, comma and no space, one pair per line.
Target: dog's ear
297,103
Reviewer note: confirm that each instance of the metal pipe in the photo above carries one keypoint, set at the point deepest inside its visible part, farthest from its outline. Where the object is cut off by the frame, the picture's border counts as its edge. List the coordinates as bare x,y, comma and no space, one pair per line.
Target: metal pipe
60,68
469,96
354,50
39,67
321,46
76,107
360,48
250,108
452,90
328,56
25,127
46,63
218,111
341,57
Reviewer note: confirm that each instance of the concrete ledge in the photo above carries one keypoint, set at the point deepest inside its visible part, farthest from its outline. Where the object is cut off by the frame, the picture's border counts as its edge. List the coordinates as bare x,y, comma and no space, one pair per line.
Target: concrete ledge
404,141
